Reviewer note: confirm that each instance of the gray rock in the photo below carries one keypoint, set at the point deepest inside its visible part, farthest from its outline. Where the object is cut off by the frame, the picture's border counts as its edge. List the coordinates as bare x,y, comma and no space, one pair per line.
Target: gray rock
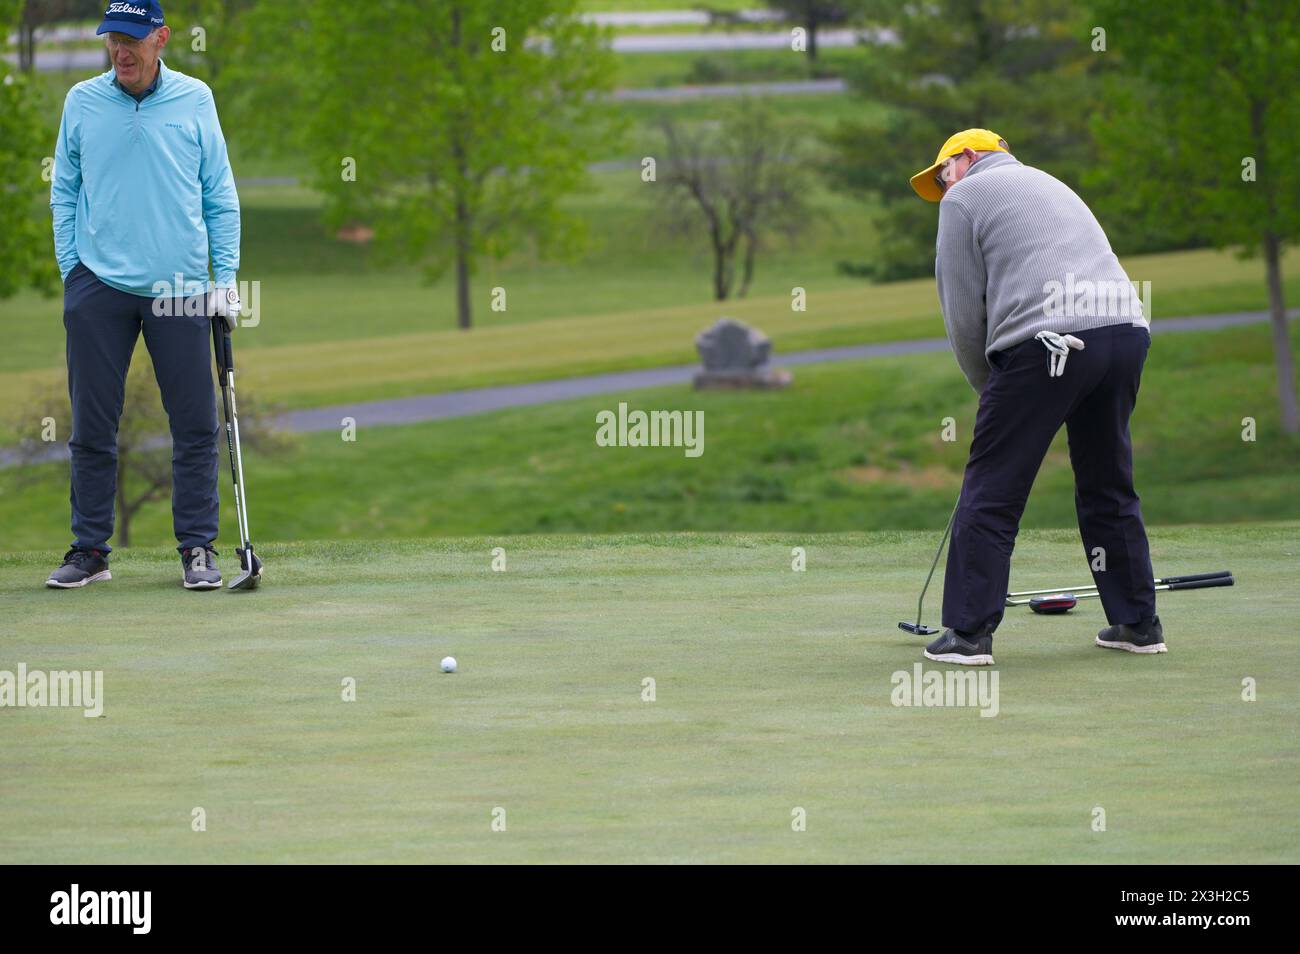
735,355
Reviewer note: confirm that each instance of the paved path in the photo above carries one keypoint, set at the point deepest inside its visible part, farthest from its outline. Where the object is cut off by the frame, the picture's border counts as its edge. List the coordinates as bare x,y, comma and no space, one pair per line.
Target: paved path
438,407
91,59
821,87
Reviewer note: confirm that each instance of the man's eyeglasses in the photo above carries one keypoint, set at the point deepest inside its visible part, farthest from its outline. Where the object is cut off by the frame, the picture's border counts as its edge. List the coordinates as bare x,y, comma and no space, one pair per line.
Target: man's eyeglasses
940,177
116,40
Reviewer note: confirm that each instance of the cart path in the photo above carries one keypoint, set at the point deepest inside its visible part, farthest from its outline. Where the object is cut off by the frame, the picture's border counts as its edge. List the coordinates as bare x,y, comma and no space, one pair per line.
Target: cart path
436,407
451,404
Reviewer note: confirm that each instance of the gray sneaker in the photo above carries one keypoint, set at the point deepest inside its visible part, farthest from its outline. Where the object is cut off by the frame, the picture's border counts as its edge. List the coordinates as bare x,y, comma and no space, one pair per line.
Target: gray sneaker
201,571
79,568
1148,637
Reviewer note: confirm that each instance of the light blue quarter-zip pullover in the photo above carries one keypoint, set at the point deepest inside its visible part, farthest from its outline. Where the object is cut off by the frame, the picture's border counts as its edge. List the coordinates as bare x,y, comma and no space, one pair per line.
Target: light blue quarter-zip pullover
142,190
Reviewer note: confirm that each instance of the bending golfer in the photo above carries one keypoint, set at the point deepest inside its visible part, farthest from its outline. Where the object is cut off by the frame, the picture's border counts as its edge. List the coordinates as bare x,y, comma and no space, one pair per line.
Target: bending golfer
142,195
1044,324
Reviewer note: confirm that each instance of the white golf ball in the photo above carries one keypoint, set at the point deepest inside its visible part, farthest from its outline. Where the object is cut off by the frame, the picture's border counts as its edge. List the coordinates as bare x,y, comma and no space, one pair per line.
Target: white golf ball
448,663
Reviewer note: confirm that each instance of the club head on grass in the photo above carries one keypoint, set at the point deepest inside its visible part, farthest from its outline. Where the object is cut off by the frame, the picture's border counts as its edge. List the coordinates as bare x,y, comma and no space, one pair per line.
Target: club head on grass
250,570
917,629
1054,604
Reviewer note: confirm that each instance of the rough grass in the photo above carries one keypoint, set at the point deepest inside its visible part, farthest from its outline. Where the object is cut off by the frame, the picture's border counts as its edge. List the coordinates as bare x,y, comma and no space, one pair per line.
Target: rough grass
850,446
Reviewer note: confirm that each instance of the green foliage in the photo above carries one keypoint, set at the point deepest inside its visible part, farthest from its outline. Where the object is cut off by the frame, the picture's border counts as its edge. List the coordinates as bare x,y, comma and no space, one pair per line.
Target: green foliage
205,40
1207,133
26,242
739,181
466,122
1192,93
1019,67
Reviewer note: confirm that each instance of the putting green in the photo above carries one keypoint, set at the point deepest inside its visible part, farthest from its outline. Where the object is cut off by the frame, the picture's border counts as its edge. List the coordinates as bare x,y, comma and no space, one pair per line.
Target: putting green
772,694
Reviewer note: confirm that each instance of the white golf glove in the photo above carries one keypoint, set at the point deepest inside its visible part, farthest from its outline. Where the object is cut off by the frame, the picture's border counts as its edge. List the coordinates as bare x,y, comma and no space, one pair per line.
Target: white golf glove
1058,347
224,303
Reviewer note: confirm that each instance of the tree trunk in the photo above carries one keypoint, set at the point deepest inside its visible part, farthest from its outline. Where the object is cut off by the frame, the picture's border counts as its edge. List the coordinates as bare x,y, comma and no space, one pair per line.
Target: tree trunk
463,317
463,245
811,27
27,46
751,240
721,282
1281,335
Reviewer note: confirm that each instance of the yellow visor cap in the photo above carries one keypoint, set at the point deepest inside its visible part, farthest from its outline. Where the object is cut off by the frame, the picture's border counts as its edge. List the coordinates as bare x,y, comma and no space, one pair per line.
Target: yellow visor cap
980,140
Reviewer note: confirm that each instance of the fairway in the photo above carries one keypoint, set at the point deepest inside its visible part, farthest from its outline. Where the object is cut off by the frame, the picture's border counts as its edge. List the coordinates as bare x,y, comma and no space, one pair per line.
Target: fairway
772,692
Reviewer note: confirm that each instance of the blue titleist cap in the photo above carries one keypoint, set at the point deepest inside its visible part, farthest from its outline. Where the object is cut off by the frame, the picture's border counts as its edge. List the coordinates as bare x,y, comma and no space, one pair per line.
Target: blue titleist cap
137,18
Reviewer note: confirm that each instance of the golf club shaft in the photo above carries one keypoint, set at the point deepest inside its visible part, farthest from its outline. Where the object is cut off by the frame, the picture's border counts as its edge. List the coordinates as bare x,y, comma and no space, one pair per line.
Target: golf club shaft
938,553
1179,583
226,369
1216,575
241,501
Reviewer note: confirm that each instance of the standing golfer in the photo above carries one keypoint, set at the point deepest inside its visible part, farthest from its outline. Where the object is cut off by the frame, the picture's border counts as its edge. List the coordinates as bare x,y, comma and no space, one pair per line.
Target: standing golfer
1046,327
142,195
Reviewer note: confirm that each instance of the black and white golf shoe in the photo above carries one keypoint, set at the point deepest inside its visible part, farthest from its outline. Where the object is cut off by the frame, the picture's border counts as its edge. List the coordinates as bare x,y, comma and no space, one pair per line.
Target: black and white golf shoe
961,650
1133,639
201,571
79,568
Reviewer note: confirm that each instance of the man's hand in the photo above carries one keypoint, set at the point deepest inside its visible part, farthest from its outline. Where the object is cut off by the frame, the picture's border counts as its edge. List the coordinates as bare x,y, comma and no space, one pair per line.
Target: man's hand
223,303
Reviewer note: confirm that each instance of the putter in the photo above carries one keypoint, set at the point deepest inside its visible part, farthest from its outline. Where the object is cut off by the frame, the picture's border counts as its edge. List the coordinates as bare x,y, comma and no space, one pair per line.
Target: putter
1053,604
250,567
916,628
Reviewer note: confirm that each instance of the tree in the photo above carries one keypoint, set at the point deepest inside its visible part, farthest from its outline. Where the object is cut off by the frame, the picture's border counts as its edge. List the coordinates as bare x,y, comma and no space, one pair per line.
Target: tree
1019,67
812,15
742,180
205,38
38,13
26,244
144,470
1209,133
465,122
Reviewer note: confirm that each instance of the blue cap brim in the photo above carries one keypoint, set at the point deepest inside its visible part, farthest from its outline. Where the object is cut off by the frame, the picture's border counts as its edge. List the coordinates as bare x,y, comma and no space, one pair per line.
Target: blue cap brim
129,27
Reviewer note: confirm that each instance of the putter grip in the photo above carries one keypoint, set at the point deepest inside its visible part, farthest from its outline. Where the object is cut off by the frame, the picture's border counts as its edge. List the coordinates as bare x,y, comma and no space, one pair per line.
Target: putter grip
1188,583
227,352
1194,577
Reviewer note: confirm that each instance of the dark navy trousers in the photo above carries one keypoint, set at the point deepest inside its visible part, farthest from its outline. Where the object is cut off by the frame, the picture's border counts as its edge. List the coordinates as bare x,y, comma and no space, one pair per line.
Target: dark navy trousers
102,326
1020,411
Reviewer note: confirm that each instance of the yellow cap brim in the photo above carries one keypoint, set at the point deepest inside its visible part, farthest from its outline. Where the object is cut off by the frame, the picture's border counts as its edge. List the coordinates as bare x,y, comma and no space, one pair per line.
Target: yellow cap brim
924,185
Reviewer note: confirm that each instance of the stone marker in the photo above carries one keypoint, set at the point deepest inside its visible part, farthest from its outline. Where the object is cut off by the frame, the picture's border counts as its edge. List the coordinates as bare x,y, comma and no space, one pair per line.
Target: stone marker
735,355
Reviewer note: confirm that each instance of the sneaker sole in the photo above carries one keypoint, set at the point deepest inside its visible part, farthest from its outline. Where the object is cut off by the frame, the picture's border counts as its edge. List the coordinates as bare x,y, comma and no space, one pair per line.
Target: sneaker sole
960,660
97,577
1132,647
202,585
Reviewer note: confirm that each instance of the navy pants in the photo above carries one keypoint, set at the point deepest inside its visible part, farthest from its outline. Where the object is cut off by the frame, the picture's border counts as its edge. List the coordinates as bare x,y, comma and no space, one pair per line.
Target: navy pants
1020,412
102,326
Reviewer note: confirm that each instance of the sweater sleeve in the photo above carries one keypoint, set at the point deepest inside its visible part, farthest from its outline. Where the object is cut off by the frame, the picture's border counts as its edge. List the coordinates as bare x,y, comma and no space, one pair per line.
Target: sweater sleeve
65,186
220,200
959,270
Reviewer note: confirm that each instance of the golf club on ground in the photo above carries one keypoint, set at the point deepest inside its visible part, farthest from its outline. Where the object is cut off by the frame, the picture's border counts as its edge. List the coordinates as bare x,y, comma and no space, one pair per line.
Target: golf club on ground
250,567
916,628
1058,602
1092,586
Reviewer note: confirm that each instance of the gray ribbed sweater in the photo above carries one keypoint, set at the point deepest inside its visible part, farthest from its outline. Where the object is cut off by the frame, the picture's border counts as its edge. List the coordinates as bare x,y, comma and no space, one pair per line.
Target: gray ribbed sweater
1018,253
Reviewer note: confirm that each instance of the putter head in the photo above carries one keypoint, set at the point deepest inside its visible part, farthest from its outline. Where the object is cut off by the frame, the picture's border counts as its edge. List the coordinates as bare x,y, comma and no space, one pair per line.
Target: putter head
917,629
250,570
1054,604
